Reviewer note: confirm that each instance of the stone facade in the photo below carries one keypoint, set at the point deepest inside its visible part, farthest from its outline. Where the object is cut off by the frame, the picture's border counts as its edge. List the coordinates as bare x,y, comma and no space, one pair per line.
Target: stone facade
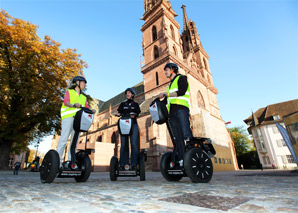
162,44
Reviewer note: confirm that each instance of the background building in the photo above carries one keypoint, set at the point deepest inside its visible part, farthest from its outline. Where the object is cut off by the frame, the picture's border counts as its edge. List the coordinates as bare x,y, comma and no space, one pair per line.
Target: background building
162,43
270,145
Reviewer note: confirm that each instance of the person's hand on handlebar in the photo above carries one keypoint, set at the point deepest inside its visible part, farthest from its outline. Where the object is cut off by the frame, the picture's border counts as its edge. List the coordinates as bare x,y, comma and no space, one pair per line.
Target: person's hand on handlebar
117,114
162,95
77,105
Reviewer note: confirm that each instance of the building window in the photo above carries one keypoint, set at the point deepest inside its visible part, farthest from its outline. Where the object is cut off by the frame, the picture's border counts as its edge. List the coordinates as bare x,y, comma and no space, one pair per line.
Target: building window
205,63
276,117
281,143
268,160
174,50
201,102
219,160
156,78
275,130
172,32
114,138
223,161
154,33
99,139
156,53
262,144
290,159
215,159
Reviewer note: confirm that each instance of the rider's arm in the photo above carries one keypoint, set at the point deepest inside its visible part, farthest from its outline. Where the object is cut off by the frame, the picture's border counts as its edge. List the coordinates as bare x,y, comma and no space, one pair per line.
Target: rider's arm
182,86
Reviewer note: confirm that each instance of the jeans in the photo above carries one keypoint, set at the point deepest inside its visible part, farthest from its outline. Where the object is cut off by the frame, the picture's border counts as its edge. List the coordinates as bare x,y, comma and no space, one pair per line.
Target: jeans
124,150
179,121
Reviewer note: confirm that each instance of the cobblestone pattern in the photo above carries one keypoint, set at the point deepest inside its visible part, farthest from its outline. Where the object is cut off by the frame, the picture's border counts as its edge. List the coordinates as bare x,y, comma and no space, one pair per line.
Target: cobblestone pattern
261,193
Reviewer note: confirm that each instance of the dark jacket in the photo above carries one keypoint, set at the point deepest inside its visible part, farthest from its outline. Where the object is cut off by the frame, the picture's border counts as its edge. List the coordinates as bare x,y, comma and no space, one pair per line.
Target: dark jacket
127,107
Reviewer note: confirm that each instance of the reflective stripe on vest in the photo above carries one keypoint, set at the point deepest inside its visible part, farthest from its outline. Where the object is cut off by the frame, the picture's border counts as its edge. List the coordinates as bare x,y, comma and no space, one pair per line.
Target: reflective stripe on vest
66,111
180,100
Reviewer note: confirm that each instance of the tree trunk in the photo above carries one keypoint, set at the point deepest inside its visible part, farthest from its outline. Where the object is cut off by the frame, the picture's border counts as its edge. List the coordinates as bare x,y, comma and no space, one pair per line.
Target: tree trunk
5,147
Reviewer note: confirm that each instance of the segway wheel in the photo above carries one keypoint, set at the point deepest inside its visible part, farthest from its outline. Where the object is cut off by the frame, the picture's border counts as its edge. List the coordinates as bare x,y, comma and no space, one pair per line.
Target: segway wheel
165,166
113,168
49,167
198,166
142,168
86,169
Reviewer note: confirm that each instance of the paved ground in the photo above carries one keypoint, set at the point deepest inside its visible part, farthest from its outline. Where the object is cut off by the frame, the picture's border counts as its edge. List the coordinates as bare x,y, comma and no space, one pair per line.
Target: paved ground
241,191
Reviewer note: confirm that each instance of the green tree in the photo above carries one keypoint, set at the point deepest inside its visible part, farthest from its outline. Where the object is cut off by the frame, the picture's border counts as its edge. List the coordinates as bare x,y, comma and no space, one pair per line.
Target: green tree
33,76
241,140
245,151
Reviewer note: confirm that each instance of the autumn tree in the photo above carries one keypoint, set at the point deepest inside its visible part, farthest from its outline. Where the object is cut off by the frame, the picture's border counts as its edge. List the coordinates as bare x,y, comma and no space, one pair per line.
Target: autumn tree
33,76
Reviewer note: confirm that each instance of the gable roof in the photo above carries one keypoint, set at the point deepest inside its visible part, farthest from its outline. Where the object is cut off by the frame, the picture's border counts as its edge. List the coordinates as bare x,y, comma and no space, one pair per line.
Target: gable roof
265,115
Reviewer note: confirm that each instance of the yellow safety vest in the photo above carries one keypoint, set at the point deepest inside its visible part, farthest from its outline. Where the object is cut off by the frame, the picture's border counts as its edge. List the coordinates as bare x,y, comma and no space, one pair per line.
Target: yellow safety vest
66,111
180,100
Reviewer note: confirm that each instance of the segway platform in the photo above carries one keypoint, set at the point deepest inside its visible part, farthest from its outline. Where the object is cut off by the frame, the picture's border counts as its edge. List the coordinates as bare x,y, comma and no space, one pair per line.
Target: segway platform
197,164
79,167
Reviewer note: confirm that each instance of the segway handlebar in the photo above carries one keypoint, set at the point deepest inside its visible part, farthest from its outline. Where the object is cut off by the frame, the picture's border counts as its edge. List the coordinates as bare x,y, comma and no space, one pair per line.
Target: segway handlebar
85,109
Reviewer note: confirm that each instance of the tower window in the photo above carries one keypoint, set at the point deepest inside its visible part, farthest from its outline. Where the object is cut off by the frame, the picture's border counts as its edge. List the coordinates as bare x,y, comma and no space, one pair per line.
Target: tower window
99,139
156,53
114,138
205,63
156,78
201,102
172,32
174,49
154,33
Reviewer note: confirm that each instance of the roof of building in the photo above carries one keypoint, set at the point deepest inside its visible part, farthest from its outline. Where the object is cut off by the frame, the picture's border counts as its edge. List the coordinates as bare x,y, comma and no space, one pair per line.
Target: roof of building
265,115
139,88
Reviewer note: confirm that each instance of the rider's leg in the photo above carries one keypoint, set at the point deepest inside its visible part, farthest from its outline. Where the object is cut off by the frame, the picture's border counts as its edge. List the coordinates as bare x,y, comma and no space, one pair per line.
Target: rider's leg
66,129
134,145
124,151
180,146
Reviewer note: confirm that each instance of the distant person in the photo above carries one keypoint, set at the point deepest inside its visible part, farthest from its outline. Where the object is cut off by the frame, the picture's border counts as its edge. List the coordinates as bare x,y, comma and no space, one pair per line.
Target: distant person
273,166
74,99
242,167
17,166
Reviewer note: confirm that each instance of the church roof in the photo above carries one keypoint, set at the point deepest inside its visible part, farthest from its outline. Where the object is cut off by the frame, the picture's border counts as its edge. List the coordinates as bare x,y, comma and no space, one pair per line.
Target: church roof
265,115
139,88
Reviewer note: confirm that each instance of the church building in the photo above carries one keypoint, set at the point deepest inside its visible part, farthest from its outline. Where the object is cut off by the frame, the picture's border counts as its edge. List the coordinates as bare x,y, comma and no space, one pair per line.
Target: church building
162,43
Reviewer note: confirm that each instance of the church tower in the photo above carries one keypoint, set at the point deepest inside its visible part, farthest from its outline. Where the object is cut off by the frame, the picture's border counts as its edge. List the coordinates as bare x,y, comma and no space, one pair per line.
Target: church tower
162,43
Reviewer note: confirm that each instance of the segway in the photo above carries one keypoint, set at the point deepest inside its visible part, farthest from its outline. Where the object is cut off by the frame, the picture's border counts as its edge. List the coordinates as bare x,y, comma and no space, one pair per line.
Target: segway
125,128
79,167
197,164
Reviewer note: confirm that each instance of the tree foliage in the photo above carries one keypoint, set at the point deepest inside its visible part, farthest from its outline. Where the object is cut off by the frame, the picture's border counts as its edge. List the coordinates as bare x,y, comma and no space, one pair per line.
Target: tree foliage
33,76
241,140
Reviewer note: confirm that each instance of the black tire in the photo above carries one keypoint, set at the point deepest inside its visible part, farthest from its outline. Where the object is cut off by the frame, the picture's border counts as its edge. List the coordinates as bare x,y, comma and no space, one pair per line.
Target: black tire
198,166
49,167
165,166
113,168
142,168
86,169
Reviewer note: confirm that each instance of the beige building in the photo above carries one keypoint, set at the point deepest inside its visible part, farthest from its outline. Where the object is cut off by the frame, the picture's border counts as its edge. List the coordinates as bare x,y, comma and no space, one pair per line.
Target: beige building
270,145
162,44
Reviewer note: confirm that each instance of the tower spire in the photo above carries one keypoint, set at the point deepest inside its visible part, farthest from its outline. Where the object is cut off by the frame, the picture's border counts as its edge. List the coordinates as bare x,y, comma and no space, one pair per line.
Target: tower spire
185,18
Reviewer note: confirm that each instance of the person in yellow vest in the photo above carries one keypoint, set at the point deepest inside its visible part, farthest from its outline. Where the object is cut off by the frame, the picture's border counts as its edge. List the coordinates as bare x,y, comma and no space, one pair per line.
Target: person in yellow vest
74,99
177,99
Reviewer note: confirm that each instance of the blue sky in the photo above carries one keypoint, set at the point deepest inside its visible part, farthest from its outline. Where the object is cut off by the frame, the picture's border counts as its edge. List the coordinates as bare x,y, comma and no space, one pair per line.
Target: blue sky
253,45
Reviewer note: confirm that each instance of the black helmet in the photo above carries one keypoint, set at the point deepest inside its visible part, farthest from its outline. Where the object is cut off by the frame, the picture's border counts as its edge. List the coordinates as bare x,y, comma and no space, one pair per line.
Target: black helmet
172,66
79,78
130,90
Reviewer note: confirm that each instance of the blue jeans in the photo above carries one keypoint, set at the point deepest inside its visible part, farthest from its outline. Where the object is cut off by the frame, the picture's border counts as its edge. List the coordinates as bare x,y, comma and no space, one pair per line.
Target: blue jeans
179,121
124,150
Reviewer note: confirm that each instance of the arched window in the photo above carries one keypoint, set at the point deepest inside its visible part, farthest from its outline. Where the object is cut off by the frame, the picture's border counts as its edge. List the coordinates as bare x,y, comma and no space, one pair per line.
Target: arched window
172,32
205,63
201,102
156,78
114,138
186,38
174,50
99,139
156,53
154,33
